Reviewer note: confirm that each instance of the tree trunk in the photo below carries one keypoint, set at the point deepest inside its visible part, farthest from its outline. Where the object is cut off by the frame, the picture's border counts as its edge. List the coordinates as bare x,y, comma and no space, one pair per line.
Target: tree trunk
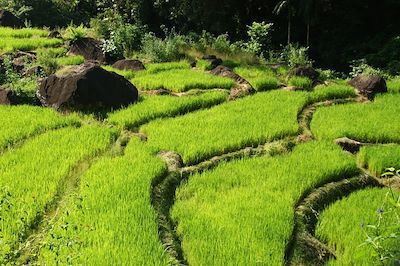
308,34
289,27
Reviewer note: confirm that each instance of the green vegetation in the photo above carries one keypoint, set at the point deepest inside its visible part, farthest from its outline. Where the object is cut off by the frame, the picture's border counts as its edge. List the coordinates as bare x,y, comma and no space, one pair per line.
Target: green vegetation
216,131
242,212
204,64
335,91
6,32
343,227
378,158
8,44
180,80
70,60
19,122
160,67
31,184
128,74
261,78
153,107
393,85
371,122
300,82
112,222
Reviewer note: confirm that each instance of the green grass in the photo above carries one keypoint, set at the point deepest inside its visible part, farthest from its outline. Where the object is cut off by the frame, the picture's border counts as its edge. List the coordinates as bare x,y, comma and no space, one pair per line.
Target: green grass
8,44
31,176
19,122
70,60
300,82
260,77
340,227
153,107
378,158
393,85
128,74
113,222
22,33
51,52
336,91
248,121
180,80
378,121
160,67
242,213
204,64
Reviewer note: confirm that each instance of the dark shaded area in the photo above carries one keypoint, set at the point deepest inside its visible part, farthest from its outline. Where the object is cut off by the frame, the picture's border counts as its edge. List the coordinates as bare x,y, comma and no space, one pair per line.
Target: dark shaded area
339,30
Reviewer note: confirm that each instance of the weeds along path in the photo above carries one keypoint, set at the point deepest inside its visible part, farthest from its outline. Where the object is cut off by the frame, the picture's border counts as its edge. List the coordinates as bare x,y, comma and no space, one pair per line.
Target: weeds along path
27,250
163,192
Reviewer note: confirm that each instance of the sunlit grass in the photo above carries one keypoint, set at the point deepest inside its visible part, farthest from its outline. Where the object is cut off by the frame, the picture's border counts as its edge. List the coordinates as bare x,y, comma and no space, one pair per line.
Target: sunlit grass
378,121
393,85
340,226
242,213
378,158
153,107
31,175
111,222
260,77
300,82
22,33
248,121
180,80
8,44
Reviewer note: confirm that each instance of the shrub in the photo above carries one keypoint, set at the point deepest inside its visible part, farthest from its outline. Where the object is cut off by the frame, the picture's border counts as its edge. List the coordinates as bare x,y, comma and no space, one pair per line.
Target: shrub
259,37
296,56
160,50
74,33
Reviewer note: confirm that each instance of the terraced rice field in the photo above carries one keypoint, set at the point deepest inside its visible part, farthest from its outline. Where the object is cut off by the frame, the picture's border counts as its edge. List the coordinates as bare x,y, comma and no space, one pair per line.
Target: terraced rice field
191,178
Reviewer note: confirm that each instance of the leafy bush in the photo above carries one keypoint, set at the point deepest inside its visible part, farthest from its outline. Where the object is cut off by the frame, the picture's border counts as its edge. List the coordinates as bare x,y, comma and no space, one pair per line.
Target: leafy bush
296,56
74,33
128,38
301,82
259,37
160,50
360,67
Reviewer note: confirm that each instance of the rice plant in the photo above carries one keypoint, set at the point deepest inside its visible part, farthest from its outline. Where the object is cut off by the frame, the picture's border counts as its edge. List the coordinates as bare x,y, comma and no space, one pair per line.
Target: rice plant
30,177
180,80
8,44
300,82
393,85
261,78
22,33
160,67
70,60
376,121
153,107
242,213
344,227
334,91
19,122
378,158
112,221
248,121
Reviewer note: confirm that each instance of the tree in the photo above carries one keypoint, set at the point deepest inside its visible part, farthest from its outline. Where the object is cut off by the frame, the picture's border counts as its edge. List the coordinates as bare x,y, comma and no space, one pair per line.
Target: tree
308,9
290,7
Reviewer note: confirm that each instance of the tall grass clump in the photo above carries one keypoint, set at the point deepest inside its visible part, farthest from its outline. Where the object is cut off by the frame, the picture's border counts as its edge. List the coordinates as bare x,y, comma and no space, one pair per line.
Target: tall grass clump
154,107
243,211
378,158
111,221
8,44
300,82
181,80
22,33
262,117
393,85
31,184
334,91
260,77
159,67
345,226
376,121
20,122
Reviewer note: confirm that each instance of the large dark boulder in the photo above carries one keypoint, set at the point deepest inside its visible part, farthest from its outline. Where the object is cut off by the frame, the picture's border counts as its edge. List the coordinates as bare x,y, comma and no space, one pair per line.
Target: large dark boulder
129,64
90,49
224,71
55,34
87,87
369,85
214,60
8,19
240,91
304,71
8,97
